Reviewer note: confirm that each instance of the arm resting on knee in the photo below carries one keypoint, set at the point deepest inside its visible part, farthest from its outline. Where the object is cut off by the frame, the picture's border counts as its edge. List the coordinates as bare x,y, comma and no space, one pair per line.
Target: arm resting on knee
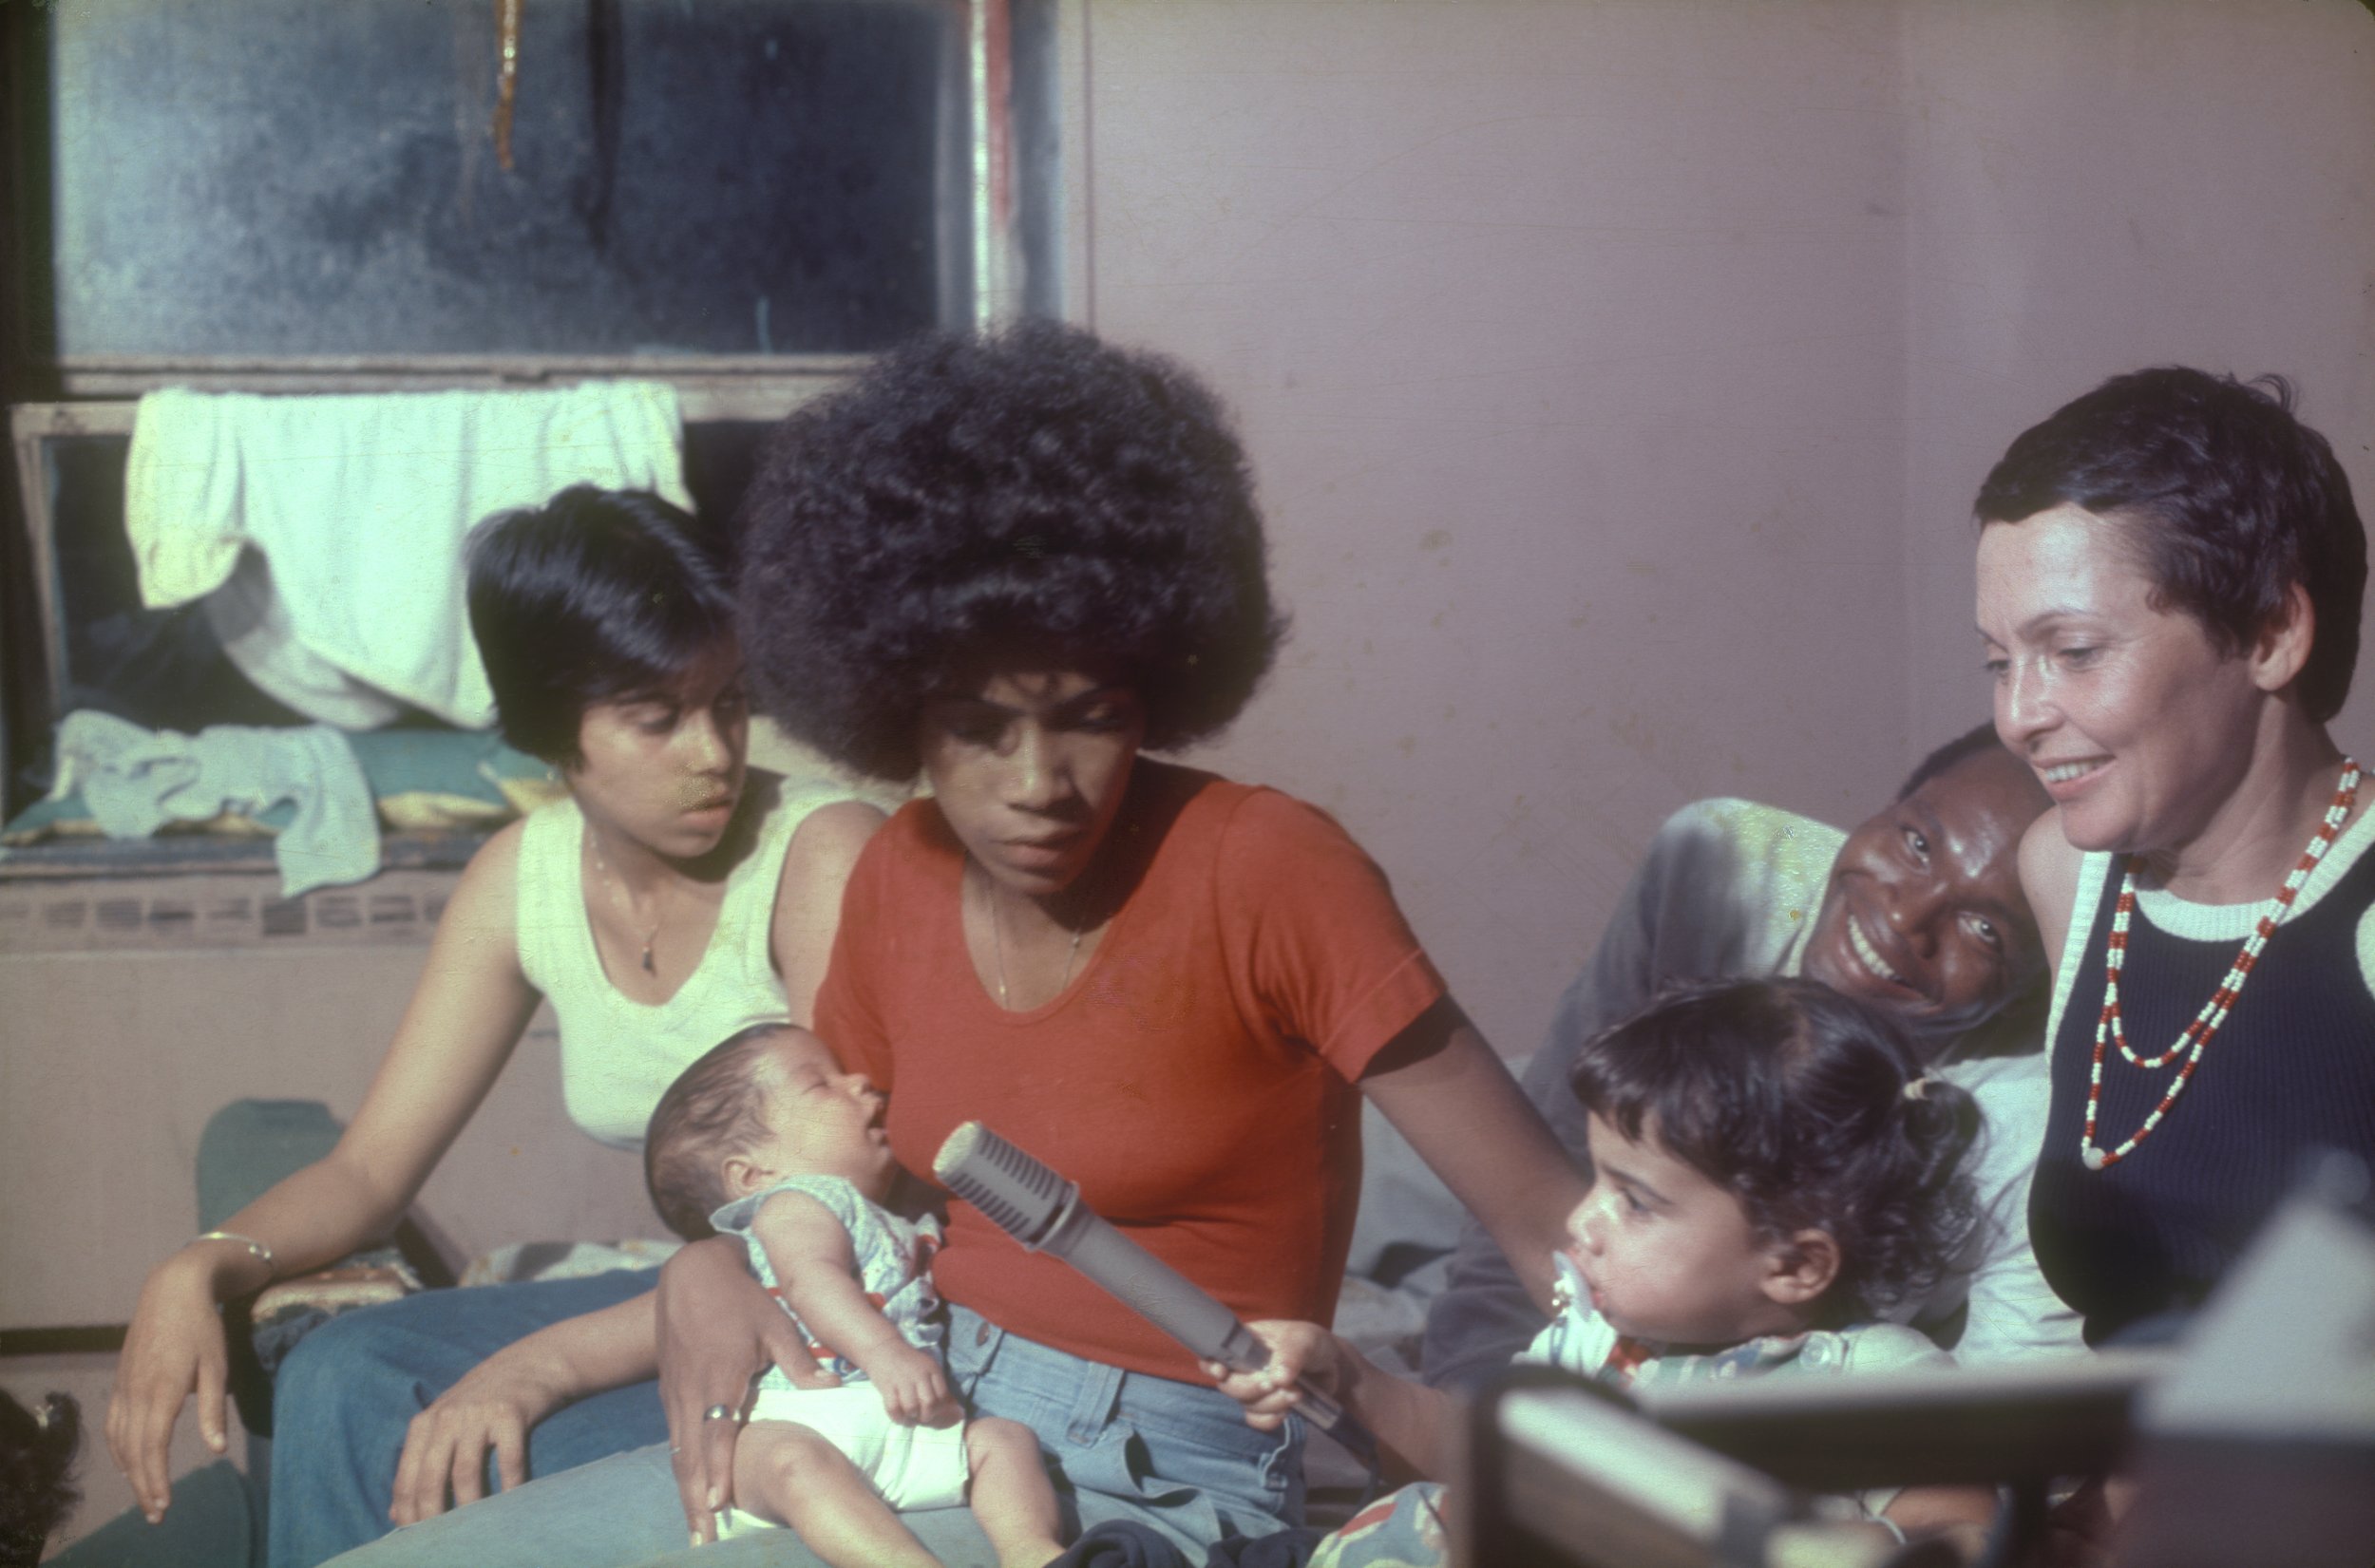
501,1400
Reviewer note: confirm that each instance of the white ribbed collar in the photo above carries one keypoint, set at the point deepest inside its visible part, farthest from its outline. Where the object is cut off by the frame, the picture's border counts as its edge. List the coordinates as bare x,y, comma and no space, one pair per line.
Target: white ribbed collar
2234,922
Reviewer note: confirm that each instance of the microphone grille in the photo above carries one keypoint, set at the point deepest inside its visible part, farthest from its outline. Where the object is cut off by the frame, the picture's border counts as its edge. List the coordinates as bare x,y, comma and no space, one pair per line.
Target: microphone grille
1014,1192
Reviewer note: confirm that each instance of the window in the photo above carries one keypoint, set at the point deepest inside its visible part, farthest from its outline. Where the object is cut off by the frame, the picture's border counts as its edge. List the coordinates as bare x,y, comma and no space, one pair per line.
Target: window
227,184
739,197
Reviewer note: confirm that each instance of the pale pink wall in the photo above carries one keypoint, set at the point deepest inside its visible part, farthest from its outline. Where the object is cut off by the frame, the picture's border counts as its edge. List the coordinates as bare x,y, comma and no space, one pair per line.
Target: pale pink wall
2101,187
1564,342
1615,375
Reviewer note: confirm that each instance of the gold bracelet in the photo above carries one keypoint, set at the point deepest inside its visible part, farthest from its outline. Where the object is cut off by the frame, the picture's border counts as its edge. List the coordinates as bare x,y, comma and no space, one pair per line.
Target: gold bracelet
255,1249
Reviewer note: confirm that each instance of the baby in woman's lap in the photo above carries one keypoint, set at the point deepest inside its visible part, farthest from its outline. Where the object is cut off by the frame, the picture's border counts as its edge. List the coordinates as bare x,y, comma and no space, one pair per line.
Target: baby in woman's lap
766,1139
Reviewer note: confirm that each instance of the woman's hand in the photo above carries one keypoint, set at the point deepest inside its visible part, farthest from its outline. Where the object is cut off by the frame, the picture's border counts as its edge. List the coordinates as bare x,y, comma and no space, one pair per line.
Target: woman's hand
174,1344
444,1449
468,1012
717,1329
499,1402
1299,1352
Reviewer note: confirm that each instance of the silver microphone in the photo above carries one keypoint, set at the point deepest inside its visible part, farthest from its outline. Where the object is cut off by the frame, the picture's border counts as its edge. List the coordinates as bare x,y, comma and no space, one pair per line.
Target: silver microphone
1043,1211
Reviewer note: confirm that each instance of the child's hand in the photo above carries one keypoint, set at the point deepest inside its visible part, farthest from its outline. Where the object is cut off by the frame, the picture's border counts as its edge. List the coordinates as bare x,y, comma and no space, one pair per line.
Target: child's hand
914,1386
1298,1351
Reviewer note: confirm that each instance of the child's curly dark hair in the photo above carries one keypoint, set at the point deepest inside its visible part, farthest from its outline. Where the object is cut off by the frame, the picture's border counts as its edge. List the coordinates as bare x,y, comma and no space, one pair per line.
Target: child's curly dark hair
1795,1098
1035,490
36,1474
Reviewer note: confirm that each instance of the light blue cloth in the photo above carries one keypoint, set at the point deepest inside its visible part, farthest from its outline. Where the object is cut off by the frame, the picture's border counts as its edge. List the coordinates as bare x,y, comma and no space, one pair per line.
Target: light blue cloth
622,1512
134,780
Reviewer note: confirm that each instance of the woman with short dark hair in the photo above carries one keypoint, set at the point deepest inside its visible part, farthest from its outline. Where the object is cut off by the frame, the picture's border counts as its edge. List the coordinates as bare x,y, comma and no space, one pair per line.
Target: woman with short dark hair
591,598
668,901
2170,576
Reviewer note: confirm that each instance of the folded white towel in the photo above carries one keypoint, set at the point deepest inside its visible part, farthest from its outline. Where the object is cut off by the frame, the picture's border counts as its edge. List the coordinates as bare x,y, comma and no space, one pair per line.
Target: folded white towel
134,780
326,533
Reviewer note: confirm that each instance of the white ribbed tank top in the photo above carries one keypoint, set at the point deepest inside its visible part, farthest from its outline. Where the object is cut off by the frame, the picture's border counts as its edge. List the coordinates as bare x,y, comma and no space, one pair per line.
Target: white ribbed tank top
618,1056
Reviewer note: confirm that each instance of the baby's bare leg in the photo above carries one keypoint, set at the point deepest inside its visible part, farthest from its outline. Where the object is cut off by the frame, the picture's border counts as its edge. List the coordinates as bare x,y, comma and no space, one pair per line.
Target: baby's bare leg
1011,1494
793,1475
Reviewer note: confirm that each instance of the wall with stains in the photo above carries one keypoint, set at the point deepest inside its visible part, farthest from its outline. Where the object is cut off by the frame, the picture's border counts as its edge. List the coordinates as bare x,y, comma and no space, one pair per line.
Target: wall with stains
1618,375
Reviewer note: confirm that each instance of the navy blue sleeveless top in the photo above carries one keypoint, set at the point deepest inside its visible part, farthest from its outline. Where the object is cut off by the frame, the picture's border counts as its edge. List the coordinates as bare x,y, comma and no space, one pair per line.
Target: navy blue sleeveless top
2292,1069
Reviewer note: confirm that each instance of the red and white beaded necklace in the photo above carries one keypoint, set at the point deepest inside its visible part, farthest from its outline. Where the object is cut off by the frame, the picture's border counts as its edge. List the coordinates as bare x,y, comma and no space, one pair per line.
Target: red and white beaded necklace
2205,1023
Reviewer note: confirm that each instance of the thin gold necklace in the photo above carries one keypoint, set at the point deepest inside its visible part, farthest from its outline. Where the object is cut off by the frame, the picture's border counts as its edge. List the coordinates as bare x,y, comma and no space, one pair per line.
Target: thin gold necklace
593,843
998,945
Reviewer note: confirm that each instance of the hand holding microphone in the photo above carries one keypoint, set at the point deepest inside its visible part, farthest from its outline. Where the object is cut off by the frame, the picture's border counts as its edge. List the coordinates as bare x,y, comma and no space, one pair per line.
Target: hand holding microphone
1043,1212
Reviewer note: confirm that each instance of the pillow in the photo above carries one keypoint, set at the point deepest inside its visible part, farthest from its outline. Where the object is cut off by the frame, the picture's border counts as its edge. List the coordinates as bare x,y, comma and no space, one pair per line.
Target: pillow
428,778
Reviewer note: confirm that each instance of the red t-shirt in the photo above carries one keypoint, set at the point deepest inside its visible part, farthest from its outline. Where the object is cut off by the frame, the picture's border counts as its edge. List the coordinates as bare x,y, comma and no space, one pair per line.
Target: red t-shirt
1195,1078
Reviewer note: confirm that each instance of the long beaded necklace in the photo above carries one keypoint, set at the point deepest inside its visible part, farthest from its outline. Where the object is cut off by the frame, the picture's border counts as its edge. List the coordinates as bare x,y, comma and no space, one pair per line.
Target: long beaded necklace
2197,1035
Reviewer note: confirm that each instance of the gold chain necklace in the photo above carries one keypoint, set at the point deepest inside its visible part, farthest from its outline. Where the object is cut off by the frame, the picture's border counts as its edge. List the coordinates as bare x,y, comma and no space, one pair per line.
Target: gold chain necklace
998,945
593,843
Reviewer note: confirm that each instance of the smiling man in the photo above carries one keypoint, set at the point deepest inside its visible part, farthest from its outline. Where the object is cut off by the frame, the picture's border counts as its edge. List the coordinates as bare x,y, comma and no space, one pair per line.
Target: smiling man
1917,911
1922,911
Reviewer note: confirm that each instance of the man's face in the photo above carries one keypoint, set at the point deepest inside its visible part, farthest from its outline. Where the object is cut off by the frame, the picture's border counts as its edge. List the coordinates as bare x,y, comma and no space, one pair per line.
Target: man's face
1924,915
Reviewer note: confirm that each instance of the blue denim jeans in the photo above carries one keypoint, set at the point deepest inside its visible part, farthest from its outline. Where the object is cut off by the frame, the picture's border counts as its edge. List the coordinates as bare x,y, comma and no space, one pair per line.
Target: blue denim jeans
1175,1456
343,1399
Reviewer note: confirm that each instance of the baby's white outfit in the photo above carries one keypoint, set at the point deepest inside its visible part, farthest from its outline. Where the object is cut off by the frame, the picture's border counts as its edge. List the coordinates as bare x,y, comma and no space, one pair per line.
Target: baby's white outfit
911,1467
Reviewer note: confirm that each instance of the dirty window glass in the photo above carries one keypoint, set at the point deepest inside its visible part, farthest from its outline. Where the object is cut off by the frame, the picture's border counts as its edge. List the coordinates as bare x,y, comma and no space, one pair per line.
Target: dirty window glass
302,177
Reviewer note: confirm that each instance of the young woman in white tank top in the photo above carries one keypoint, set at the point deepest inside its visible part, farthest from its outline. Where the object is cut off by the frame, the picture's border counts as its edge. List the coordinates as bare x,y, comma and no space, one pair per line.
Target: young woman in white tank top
667,903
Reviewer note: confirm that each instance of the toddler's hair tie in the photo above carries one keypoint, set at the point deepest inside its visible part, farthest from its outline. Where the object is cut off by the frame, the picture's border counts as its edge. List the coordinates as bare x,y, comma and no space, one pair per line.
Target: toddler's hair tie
1918,1088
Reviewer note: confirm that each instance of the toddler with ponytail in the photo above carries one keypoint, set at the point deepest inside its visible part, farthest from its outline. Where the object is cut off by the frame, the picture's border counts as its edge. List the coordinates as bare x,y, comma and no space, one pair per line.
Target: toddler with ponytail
1773,1176
1812,1111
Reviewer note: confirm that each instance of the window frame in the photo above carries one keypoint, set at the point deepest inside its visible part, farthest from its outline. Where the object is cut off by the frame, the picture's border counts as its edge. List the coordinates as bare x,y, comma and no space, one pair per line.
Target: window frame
712,386
51,396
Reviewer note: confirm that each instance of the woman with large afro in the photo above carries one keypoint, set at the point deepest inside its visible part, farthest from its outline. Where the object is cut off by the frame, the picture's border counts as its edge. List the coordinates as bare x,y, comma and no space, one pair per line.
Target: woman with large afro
1013,565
